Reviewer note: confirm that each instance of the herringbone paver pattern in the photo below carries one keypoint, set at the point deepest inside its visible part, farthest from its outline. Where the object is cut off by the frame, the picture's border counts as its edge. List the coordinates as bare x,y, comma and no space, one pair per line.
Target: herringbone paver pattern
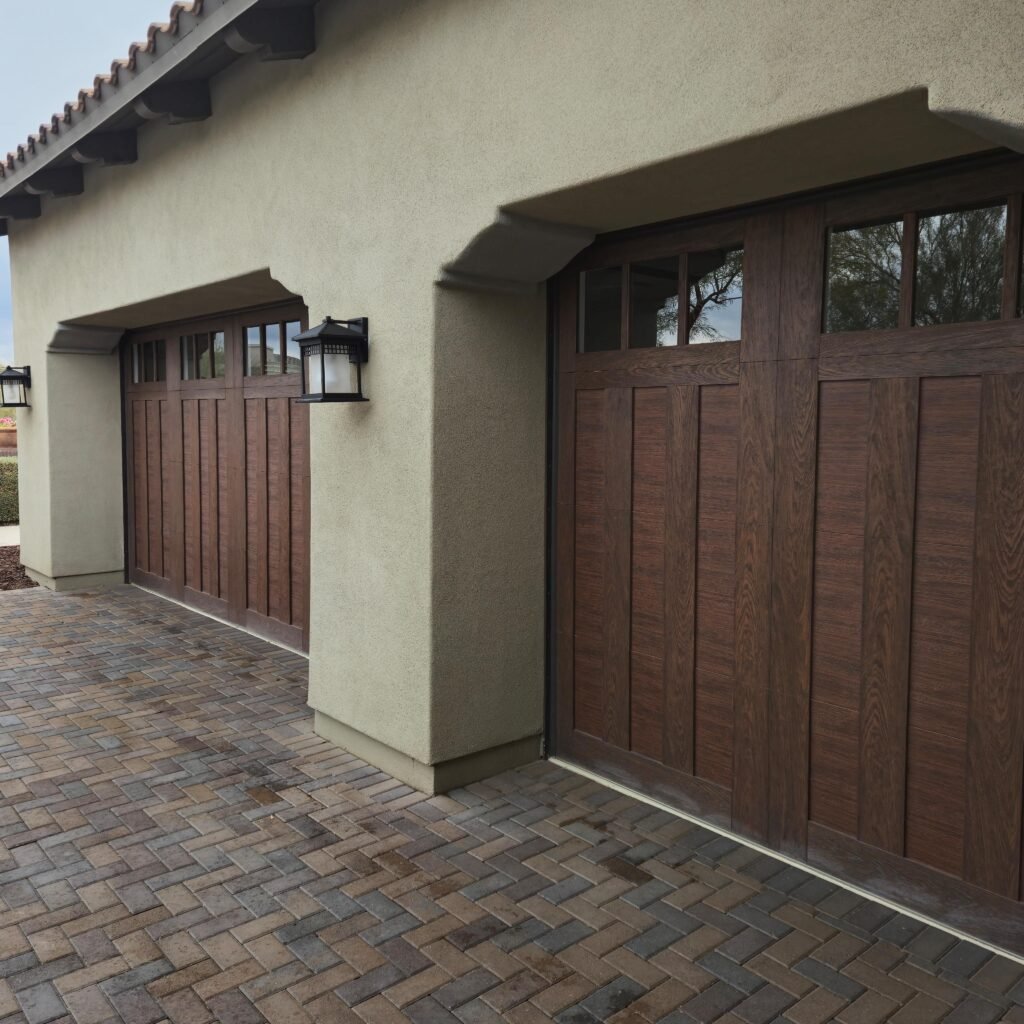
177,845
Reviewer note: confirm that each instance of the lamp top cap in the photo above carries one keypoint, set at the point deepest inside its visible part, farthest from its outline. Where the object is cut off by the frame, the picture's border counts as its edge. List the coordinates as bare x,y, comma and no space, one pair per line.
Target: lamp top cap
335,330
13,373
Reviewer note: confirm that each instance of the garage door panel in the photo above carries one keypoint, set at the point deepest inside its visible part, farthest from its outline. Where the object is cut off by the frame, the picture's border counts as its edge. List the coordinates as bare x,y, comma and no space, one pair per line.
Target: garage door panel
219,479
947,473
298,482
209,496
154,488
995,748
278,510
140,477
825,587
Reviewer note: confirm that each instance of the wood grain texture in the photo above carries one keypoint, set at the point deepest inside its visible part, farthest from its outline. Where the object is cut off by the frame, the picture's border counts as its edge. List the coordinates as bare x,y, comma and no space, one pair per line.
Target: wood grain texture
279,527
589,564
791,603
618,502
995,742
843,415
682,446
754,529
564,556
188,465
209,480
940,630
223,507
154,488
888,562
802,281
174,495
140,477
816,543
647,601
193,495
714,644
257,544
762,260
299,478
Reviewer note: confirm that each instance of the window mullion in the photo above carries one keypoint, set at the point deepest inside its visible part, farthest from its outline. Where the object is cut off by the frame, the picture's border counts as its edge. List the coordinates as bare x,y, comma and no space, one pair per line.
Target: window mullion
1012,259
908,269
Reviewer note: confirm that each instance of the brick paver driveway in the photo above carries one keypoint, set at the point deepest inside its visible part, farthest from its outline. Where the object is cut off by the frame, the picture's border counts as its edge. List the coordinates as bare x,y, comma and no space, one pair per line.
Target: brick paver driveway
178,845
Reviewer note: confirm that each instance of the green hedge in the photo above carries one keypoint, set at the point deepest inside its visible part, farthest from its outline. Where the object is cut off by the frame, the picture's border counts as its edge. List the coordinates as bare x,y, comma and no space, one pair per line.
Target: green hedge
8,491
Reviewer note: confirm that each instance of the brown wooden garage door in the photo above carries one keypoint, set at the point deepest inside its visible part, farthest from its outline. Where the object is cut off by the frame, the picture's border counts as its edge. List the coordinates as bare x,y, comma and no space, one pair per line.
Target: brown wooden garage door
790,531
217,460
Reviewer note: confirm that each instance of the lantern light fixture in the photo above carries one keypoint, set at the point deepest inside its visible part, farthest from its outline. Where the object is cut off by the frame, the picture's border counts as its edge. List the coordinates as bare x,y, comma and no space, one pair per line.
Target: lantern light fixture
14,384
333,354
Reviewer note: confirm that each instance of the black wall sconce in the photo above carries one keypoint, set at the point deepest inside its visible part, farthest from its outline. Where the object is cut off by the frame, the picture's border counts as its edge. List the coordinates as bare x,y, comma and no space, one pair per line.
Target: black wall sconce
14,384
333,354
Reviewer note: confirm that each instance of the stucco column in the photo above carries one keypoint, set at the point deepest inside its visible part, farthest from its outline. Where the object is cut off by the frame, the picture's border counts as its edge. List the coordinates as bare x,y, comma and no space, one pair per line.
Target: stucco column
427,638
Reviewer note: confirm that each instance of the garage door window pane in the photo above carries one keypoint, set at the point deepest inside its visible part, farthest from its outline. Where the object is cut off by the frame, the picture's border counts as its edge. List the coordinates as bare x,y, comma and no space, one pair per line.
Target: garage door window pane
204,359
273,340
253,352
654,303
715,290
600,321
863,286
293,360
188,357
219,359
960,266
149,362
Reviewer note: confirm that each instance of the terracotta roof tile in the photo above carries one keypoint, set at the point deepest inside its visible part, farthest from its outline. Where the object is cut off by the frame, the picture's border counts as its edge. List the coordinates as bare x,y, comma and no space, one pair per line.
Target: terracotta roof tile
159,38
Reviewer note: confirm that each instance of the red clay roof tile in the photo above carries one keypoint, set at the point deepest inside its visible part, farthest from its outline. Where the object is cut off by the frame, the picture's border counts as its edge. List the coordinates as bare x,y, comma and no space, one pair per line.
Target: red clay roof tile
156,37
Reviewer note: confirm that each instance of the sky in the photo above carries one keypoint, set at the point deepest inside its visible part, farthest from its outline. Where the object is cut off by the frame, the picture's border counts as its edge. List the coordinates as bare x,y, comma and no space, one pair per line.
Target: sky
49,49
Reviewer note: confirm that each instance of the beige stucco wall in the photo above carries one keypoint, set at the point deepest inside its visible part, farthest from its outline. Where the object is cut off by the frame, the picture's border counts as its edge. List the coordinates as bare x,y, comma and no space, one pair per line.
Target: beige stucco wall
356,174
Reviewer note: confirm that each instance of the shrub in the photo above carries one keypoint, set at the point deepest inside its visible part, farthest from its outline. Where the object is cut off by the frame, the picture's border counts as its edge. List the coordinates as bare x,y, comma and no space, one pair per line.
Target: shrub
8,491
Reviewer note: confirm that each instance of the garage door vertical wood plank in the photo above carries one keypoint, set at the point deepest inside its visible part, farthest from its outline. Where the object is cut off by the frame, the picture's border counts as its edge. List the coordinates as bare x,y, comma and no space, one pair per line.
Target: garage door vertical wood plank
940,631
256,503
800,312
995,744
299,447
714,663
564,554
754,518
139,474
174,520
680,574
802,278
208,493
617,525
647,612
888,570
762,258
235,425
154,489
278,502
792,596
193,496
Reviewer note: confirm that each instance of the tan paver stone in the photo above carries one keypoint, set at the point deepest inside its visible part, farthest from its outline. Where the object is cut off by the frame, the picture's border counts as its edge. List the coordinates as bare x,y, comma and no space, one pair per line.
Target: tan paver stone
921,1009
816,1008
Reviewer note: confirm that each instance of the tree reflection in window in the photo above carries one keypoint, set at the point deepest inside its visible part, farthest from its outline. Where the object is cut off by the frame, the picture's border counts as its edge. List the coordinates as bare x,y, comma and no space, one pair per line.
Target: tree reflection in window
715,290
864,277
960,266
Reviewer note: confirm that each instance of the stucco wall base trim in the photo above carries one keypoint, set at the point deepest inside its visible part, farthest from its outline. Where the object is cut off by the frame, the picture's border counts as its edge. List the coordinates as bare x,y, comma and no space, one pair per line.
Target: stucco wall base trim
428,778
87,581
